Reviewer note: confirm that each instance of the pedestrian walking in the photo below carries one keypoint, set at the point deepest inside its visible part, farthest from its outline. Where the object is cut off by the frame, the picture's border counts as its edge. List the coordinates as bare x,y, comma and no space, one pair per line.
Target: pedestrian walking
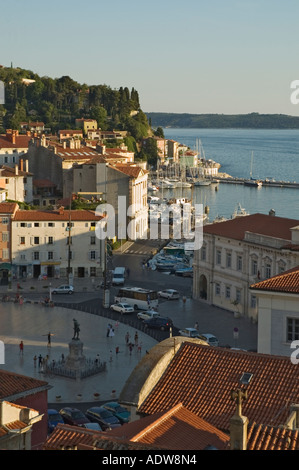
127,338
196,325
21,347
40,360
117,350
136,338
139,347
34,361
130,348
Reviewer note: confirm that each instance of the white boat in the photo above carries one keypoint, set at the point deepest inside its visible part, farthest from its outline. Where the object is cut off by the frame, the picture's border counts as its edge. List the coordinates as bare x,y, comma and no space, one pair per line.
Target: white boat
166,184
202,182
239,212
253,182
152,187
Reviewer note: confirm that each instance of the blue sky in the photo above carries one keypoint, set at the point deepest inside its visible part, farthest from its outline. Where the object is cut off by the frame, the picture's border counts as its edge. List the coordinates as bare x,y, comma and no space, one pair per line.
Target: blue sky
191,56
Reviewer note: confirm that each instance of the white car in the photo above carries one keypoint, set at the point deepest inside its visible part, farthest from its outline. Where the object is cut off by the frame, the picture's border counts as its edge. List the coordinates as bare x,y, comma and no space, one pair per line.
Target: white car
209,338
122,308
169,294
147,314
189,332
64,289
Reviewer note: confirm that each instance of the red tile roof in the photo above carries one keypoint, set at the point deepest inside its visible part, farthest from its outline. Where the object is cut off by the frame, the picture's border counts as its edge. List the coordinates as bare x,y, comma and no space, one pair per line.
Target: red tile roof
287,282
65,436
15,384
264,437
130,170
262,224
22,141
8,207
8,172
202,377
76,215
175,429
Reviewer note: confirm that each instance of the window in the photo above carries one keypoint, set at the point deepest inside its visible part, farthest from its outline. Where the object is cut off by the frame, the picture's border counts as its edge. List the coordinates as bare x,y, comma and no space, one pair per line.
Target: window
50,255
92,255
25,180
92,240
253,301
254,267
228,260
239,263
292,329
268,270
50,240
51,224
22,240
5,220
227,292
92,271
238,295
36,224
203,253
36,240
217,288
5,236
23,224
36,255
218,256
5,254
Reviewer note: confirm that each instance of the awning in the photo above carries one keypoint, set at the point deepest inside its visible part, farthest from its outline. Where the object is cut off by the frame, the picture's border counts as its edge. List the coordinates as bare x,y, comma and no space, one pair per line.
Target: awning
5,266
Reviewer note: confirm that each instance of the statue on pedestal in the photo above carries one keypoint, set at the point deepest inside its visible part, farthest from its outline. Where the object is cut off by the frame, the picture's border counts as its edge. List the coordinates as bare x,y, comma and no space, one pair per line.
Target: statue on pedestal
76,329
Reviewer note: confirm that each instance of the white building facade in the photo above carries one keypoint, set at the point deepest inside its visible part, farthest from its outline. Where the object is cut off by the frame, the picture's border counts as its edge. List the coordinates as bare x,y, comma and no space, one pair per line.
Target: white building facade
238,253
55,243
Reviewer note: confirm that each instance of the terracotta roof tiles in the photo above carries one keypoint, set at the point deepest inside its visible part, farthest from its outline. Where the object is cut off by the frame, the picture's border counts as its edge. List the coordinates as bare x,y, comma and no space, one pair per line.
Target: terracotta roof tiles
76,215
202,377
175,429
287,282
264,437
12,384
262,224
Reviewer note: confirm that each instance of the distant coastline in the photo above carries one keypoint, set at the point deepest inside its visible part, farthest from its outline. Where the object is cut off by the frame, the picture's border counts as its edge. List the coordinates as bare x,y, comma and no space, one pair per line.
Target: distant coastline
223,121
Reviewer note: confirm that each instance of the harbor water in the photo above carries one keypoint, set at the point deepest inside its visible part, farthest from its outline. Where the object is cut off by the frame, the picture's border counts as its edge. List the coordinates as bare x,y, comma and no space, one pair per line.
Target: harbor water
276,156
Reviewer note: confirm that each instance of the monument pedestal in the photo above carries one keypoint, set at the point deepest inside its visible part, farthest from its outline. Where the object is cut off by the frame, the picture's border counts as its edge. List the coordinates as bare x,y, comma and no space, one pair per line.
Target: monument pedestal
75,361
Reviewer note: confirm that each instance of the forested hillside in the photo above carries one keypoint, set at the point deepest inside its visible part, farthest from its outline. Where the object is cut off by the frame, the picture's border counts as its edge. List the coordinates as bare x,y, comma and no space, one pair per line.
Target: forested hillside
59,101
224,121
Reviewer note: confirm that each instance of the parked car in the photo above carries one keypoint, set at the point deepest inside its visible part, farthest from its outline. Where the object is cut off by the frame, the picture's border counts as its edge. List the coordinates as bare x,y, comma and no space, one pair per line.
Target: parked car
122,414
189,332
94,426
209,338
64,289
147,314
73,416
170,294
122,308
54,418
160,323
106,419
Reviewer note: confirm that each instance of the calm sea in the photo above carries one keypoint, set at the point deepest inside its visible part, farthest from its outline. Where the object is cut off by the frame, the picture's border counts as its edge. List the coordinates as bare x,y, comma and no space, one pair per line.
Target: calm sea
275,156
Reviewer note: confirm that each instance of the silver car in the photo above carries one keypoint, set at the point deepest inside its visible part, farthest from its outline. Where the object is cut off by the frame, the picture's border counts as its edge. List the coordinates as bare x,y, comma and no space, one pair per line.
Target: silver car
64,289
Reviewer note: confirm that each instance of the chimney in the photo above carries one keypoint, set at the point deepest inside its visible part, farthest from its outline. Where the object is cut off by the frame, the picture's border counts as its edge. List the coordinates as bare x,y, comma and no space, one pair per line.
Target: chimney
238,423
61,210
27,166
16,169
64,144
21,164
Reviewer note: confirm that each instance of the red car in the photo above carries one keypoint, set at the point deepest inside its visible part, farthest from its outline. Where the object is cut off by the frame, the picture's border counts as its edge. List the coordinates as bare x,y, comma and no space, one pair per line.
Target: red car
73,416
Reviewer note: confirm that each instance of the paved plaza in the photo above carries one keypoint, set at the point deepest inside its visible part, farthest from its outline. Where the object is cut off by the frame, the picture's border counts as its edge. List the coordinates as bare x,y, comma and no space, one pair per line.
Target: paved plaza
31,323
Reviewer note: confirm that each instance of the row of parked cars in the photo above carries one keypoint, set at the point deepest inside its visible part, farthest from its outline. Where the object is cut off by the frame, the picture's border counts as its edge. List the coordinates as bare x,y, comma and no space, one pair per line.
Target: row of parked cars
102,418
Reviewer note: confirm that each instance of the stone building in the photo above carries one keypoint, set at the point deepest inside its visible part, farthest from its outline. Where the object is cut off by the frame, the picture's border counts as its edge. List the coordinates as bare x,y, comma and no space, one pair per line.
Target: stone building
239,252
